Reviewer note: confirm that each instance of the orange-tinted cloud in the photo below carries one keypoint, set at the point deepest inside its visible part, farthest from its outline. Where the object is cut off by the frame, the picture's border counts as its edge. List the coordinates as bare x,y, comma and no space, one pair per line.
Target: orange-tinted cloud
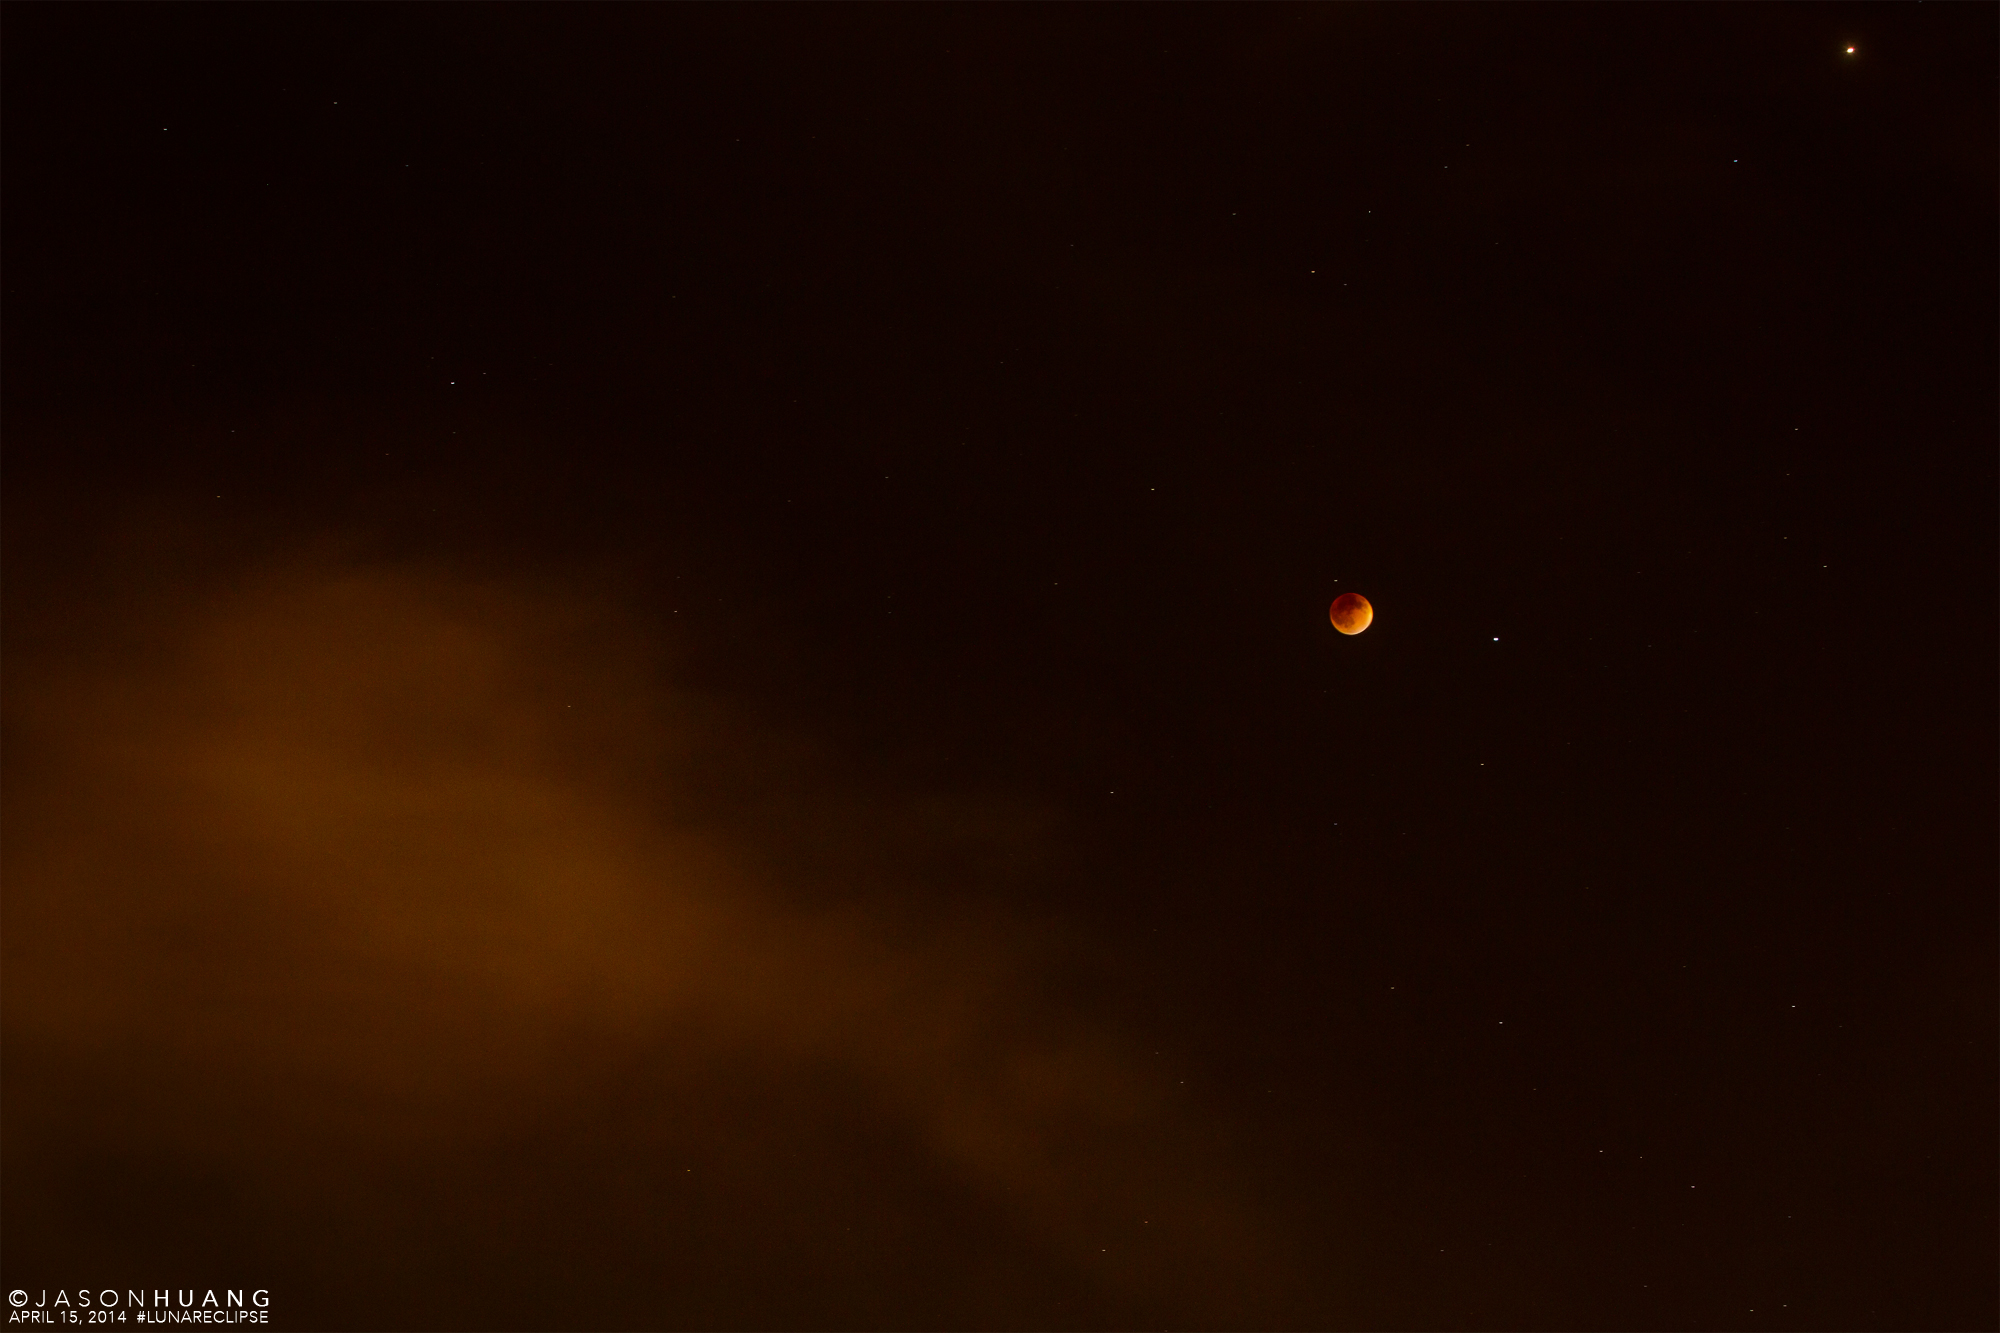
383,918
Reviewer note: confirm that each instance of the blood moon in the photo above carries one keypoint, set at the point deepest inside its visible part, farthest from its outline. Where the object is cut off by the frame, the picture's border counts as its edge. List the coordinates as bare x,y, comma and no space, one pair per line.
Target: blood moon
1350,613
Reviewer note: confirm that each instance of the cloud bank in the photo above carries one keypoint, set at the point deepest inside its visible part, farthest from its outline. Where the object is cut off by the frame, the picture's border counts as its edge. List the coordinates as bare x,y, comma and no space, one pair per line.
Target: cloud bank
406,935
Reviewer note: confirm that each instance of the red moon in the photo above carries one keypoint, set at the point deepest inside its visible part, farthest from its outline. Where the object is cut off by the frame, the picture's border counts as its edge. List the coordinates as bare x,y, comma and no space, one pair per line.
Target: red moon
1350,613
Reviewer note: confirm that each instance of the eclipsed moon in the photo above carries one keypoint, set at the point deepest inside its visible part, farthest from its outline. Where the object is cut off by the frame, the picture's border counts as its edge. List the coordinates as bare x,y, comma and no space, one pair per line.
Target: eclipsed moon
1350,613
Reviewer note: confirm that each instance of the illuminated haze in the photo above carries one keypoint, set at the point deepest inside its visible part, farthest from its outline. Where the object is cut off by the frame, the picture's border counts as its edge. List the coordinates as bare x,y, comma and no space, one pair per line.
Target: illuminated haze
385,908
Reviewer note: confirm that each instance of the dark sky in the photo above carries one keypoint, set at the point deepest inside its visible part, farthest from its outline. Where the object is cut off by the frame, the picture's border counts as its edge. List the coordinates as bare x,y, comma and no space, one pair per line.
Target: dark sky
668,666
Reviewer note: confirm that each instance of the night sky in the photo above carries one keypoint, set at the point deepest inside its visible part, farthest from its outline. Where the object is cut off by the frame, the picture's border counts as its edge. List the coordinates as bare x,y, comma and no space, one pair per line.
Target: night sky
669,666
